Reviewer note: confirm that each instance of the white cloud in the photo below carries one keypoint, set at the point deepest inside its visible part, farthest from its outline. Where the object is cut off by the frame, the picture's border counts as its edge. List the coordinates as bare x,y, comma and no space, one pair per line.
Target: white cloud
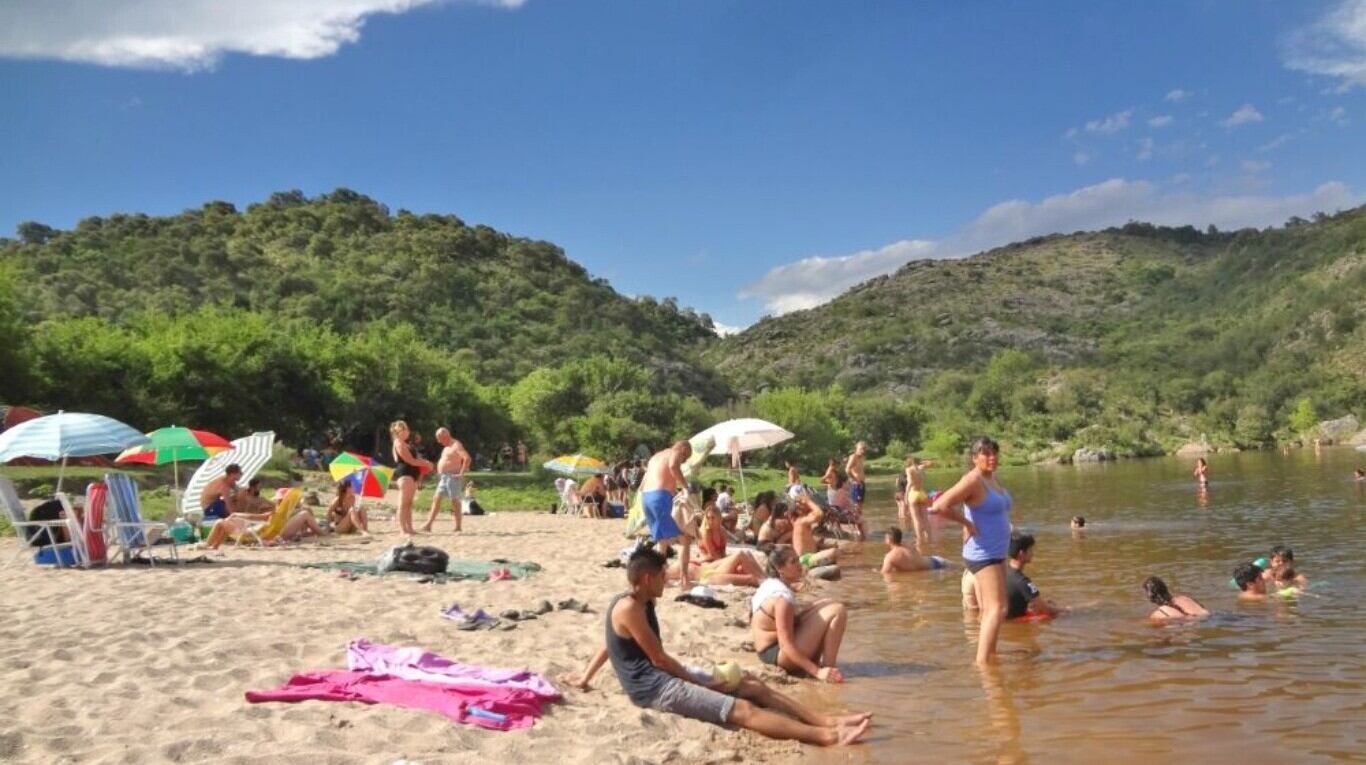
1274,143
1160,121
1333,46
726,330
1245,114
188,35
1081,157
812,281
1254,166
1110,124
1338,116
1178,95
1145,149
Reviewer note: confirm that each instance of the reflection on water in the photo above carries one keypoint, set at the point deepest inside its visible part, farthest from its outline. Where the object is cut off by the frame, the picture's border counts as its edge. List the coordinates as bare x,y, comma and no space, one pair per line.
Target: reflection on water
1278,680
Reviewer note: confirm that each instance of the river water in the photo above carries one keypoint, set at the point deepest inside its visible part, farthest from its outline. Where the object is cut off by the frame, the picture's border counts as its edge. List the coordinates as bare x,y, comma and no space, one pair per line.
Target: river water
1281,681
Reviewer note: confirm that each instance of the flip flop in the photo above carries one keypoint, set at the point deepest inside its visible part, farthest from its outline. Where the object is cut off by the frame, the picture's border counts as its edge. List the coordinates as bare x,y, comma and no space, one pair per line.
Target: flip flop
570,604
499,574
543,607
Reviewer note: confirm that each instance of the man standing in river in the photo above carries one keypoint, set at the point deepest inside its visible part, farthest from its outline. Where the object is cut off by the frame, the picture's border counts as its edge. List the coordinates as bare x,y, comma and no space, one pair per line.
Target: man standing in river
853,468
663,477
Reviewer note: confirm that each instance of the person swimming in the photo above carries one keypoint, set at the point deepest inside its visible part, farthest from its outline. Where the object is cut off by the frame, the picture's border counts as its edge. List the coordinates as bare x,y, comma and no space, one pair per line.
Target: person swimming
1171,606
900,557
1281,571
1078,526
1248,579
1201,471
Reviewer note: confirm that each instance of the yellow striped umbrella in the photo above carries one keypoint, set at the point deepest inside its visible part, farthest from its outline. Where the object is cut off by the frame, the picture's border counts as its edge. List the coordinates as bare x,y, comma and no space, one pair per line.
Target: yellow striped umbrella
571,464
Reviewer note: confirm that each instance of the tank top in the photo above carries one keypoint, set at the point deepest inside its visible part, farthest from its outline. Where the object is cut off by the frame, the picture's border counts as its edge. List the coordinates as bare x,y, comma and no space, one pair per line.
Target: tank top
639,677
992,519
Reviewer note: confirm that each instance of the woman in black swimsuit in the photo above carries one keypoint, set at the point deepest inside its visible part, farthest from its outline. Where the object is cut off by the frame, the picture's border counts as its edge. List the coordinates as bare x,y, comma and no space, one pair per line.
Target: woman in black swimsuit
407,468
1171,606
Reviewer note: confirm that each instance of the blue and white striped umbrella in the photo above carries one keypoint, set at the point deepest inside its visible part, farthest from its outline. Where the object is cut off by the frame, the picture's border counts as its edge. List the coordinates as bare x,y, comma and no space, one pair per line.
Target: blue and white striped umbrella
67,434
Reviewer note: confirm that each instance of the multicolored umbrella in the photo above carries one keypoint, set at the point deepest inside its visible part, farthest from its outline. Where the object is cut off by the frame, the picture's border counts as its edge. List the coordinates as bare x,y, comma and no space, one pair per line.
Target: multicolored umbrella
367,478
174,444
572,464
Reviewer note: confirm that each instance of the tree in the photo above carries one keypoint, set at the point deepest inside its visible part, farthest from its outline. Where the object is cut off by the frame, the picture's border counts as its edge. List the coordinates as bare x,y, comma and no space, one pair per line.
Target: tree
1305,417
819,435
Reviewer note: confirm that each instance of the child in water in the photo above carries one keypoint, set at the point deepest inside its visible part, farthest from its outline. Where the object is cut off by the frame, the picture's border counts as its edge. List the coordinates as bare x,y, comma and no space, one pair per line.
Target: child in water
1282,572
1202,471
1078,526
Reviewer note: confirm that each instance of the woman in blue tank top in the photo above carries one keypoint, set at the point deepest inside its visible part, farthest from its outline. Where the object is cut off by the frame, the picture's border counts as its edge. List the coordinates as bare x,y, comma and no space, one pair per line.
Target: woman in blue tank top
987,523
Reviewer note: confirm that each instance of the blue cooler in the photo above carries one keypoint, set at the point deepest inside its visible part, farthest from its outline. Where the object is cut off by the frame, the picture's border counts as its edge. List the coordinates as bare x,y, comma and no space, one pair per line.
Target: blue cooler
52,556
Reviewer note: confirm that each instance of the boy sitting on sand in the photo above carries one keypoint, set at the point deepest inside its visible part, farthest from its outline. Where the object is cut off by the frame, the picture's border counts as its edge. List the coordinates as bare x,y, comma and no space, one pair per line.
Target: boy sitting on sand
654,679
902,558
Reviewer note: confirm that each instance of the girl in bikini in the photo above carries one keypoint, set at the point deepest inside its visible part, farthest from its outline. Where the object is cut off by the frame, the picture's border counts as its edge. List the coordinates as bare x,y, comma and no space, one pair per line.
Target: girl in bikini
1171,606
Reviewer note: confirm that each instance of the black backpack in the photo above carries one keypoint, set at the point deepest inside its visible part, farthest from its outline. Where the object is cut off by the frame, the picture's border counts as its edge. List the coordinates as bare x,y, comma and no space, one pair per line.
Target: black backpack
421,560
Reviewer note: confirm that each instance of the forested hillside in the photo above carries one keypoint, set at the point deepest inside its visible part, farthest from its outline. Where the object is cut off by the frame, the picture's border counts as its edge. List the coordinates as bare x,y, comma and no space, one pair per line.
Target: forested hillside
304,314
1134,339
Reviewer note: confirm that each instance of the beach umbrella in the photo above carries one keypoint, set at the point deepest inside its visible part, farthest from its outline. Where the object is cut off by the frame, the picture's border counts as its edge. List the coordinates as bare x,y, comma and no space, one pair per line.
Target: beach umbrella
251,453
572,464
67,434
172,445
734,437
367,478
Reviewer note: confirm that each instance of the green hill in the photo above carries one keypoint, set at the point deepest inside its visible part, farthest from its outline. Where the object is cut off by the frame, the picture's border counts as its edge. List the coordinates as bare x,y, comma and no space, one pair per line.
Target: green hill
1135,339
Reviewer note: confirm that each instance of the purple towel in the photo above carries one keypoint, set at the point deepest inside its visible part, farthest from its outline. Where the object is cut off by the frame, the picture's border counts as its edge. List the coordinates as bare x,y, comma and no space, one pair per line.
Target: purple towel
414,663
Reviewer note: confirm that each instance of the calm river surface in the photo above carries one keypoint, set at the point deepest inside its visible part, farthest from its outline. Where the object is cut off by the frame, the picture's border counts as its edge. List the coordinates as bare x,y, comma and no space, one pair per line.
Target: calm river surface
1270,682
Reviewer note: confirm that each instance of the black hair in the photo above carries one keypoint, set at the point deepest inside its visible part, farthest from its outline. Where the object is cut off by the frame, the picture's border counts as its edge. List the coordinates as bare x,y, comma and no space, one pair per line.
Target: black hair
895,534
644,560
839,481
781,556
1246,574
983,444
764,498
253,483
1281,551
233,468
1020,542
1079,522
779,510
1159,594
708,495
901,482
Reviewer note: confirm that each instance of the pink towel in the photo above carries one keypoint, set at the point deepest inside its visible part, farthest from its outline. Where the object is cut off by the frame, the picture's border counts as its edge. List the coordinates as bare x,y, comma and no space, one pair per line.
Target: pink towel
414,663
516,707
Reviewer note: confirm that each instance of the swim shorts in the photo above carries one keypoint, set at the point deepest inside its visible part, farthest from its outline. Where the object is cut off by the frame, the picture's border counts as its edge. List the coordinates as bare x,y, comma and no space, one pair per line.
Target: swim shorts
977,565
856,491
450,485
937,563
659,514
770,655
692,700
217,509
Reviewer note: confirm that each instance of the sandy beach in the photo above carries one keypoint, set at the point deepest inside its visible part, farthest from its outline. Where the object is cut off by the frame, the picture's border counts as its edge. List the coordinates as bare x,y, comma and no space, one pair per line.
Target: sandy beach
134,664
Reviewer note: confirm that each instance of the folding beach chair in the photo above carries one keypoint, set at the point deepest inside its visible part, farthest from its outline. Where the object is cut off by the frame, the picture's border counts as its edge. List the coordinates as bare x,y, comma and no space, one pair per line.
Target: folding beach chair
75,530
267,530
569,506
27,530
126,526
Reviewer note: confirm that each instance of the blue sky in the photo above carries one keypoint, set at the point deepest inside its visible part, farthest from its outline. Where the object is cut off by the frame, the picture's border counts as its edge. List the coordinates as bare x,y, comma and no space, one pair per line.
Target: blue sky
745,157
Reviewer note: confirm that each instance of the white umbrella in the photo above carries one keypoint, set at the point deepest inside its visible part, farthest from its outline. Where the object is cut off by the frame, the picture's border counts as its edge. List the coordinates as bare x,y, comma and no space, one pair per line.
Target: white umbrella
67,434
744,435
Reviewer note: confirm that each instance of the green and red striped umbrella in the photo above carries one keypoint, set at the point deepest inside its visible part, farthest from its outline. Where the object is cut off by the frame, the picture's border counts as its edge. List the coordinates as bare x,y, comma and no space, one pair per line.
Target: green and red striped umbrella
173,445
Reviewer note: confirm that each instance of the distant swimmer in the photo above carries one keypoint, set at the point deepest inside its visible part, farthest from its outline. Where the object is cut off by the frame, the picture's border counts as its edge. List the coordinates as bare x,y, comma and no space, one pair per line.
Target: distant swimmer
1248,578
1359,474
902,558
1171,606
853,468
1022,596
1201,471
1078,526
1281,572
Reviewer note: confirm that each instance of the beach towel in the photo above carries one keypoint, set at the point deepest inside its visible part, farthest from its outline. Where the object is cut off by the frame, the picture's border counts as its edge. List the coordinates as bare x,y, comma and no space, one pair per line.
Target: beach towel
415,663
456,569
494,708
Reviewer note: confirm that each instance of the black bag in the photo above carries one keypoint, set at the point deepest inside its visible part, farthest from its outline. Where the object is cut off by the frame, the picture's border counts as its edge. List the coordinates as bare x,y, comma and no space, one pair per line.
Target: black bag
421,560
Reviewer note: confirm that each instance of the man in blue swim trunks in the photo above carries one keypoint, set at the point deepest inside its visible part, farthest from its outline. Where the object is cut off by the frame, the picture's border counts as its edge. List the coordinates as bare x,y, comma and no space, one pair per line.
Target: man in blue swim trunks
663,477
853,468
902,558
219,498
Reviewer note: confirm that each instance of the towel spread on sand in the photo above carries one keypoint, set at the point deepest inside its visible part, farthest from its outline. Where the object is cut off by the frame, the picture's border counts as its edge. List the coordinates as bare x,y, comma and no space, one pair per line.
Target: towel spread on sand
455,570
415,663
488,707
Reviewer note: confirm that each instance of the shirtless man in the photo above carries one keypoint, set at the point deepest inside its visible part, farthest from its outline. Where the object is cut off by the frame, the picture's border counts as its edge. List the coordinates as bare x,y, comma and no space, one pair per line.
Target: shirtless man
1251,585
663,478
450,483
777,530
218,499
902,558
853,468
809,550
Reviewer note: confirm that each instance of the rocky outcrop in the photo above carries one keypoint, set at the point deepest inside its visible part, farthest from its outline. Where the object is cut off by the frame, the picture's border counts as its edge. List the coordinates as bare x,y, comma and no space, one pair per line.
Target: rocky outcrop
1359,439
1087,454
1340,430
1194,449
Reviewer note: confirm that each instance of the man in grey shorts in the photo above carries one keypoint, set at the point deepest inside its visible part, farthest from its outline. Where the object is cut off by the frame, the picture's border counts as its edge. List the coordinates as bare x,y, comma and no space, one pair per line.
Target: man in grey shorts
654,679
450,481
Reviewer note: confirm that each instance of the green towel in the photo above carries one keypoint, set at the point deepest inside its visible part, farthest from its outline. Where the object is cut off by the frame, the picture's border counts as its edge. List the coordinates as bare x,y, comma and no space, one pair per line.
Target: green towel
455,569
